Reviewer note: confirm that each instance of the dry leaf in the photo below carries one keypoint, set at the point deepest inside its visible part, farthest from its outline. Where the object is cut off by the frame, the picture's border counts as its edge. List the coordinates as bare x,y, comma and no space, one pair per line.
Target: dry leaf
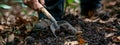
81,41
109,35
110,29
110,20
11,20
91,20
11,38
2,27
114,44
112,3
71,43
116,38
1,41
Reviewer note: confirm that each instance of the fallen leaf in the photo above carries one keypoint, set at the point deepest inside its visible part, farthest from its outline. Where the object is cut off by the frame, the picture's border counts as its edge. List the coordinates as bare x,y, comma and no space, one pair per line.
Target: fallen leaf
110,29
109,35
109,20
91,20
116,38
11,38
112,3
81,41
1,41
71,43
2,27
114,44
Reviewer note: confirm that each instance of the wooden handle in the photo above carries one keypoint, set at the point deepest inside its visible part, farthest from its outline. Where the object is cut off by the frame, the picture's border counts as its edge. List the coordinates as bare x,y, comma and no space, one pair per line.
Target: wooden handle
48,14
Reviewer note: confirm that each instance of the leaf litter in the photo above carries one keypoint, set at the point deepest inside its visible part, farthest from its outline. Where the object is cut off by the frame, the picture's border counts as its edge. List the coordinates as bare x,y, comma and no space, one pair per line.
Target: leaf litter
17,28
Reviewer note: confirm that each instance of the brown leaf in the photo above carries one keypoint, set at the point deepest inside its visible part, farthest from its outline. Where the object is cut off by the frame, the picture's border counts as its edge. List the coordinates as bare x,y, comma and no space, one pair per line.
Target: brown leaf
2,27
1,41
81,41
11,38
110,29
116,38
91,20
112,3
110,20
109,35
71,43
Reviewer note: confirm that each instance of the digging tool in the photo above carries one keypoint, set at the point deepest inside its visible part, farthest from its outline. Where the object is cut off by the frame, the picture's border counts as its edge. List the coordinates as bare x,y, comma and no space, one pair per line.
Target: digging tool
55,26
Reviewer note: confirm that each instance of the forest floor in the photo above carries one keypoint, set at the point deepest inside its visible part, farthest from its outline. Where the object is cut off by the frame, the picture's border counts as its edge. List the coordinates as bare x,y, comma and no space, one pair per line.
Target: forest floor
18,27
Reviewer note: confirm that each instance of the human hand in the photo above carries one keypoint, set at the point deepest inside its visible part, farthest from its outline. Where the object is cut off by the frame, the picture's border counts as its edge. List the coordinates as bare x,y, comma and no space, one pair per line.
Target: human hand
34,4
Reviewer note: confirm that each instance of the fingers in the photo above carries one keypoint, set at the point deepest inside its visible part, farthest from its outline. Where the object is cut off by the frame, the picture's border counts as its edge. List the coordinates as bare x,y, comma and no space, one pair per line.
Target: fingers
37,5
42,2
27,1
34,4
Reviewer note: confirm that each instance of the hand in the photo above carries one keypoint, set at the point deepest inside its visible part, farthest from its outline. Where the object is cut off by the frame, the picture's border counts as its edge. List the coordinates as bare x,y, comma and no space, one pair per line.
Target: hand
34,4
